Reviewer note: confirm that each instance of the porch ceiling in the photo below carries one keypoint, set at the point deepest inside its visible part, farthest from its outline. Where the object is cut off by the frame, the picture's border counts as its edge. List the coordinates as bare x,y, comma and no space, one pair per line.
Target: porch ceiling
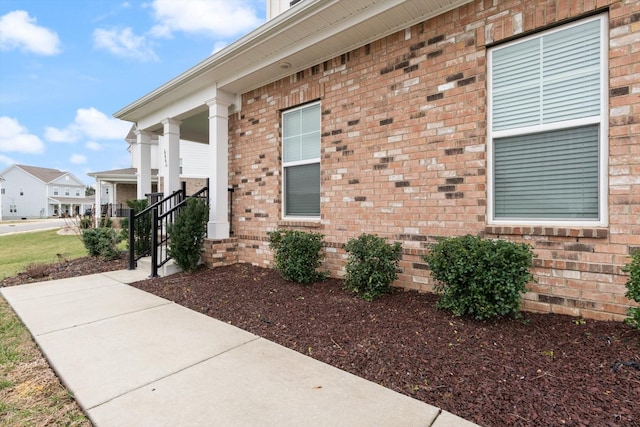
305,35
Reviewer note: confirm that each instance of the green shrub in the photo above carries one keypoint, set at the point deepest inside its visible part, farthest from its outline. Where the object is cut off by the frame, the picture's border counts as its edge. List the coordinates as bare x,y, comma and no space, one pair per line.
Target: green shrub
85,222
105,222
480,277
372,265
633,288
102,242
187,234
141,227
298,255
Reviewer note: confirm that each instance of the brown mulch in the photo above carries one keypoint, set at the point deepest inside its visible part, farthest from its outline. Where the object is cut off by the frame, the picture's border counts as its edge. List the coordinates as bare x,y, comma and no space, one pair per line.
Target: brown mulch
544,369
64,269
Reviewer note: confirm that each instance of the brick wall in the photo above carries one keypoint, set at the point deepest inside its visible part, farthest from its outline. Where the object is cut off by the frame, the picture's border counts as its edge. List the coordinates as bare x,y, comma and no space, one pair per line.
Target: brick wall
404,152
124,193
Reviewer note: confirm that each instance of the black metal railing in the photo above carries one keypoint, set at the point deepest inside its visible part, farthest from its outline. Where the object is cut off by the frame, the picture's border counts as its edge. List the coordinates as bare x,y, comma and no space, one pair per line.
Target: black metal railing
148,228
160,239
112,210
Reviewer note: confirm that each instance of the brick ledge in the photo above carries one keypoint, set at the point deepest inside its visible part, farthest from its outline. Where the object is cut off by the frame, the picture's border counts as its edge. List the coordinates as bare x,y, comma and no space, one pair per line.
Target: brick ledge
596,233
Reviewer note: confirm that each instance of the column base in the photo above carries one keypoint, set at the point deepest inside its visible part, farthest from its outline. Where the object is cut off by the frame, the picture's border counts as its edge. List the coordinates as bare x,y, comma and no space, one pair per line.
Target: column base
217,230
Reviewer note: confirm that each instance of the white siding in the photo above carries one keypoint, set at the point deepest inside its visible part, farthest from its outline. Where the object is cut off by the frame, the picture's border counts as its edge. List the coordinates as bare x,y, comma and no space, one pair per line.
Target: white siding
32,203
194,157
276,7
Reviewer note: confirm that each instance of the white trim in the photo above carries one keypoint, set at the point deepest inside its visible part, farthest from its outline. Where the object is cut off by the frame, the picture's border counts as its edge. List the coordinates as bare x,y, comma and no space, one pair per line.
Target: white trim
602,120
285,165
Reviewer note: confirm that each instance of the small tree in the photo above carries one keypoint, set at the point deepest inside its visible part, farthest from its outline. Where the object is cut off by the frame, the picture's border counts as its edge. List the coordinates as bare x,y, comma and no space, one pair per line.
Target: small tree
633,288
187,235
372,265
298,255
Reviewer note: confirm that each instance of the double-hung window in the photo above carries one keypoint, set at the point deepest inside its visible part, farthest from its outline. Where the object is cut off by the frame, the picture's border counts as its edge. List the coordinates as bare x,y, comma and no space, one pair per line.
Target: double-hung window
301,162
547,129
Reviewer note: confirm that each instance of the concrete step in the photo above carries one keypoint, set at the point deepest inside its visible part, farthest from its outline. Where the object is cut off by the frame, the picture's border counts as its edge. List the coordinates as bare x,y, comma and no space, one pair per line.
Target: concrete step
166,270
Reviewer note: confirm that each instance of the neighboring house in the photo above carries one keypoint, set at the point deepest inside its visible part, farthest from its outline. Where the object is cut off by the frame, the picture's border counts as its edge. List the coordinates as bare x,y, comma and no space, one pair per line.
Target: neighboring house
34,192
414,119
1,194
121,185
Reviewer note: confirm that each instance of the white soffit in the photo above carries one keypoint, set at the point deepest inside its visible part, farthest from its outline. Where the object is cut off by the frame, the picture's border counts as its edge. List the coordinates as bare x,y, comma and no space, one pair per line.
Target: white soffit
308,34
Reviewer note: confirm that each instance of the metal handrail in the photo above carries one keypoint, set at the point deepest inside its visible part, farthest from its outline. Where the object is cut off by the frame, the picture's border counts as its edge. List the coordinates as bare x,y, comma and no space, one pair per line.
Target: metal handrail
163,213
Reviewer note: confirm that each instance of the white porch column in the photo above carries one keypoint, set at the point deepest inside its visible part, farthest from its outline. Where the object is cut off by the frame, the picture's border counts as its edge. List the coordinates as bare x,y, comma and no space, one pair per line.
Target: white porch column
98,205
218,226
171,155
143,165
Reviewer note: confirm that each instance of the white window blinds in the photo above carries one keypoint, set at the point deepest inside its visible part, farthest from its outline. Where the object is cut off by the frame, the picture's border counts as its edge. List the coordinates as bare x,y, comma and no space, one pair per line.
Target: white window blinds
551,78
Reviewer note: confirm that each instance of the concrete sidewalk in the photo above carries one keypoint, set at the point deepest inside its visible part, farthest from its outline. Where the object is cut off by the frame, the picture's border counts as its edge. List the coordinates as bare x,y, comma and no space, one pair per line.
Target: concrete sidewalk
133,359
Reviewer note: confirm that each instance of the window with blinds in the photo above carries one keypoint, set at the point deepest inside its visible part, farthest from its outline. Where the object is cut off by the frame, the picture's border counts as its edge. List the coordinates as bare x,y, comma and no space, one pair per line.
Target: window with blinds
546,123
301,161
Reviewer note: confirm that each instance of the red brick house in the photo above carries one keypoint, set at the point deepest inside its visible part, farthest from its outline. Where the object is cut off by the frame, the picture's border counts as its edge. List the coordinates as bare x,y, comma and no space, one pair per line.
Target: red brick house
413,119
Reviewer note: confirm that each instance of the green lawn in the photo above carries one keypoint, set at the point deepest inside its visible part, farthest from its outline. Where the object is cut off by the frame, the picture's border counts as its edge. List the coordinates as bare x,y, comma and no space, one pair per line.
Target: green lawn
30,393
21,249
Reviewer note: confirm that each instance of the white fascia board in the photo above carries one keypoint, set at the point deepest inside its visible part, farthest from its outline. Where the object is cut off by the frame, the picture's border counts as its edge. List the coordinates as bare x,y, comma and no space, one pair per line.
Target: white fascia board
178,109
238,60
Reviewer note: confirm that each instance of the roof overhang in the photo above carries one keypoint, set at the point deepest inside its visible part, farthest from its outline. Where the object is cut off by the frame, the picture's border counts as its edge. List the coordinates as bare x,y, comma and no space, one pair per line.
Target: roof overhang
305,35
122,176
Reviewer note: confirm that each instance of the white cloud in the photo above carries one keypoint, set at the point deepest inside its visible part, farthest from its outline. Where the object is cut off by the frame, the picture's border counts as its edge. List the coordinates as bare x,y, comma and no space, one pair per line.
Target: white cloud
69,134
90,123
19,31
216,18
78,159
97,125
218,46
123,42
6,160
93,146
16,138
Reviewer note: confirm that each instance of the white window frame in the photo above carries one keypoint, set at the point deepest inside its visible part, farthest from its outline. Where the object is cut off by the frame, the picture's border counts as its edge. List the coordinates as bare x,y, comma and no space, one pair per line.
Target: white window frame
602,121
298,163
56,190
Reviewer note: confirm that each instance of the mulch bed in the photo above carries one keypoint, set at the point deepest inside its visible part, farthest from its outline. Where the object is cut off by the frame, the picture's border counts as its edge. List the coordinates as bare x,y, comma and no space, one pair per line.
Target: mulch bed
64,269
542,370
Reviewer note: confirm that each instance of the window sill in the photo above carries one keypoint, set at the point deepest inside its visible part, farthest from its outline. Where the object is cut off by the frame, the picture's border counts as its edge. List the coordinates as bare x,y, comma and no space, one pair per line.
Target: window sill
589,232
314,223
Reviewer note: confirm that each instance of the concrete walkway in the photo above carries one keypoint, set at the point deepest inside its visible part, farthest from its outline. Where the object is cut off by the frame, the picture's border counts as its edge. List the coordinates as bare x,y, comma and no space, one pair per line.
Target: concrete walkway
133,359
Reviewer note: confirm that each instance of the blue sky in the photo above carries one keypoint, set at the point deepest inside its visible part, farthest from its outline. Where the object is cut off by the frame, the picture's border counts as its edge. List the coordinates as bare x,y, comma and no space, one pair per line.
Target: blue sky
67,65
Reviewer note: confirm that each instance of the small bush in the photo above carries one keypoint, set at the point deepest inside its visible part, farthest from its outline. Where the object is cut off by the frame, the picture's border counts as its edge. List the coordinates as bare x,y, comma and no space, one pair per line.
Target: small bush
85,223
298,255
102,242
187,234
372,265
633,288
480,277
106,222
37,270
141,227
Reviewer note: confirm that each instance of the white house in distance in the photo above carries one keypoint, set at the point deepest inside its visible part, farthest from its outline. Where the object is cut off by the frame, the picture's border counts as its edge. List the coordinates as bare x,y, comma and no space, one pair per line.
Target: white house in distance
1,193
34,192
118,186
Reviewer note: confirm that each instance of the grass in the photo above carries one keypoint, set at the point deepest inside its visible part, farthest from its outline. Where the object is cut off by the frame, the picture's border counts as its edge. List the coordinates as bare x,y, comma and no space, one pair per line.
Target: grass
30,393
19,250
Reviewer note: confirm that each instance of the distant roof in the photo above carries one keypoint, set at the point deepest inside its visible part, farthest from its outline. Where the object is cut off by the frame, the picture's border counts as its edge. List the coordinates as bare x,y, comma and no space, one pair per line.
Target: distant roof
72,200
43,174
121,172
